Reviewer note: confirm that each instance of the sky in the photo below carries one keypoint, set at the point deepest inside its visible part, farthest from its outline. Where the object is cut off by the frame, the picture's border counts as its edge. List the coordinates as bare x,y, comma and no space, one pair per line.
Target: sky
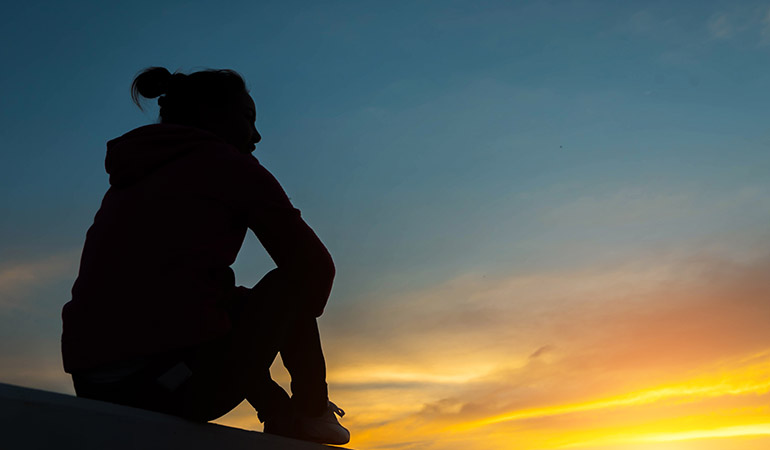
549,218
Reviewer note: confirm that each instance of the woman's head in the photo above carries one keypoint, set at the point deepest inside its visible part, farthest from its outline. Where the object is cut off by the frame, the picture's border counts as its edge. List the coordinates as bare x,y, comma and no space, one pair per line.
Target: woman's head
215,100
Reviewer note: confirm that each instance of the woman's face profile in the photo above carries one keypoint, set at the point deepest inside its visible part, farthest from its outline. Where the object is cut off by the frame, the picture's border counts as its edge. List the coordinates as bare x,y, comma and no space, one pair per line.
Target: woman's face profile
236,124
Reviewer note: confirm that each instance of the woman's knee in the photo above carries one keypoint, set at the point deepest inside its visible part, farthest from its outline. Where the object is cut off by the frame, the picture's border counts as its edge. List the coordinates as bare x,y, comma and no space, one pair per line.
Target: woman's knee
273,295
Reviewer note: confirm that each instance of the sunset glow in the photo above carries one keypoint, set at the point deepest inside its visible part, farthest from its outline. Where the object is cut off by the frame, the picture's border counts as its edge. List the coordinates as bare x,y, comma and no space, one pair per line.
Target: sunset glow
694,393
550,220
752,380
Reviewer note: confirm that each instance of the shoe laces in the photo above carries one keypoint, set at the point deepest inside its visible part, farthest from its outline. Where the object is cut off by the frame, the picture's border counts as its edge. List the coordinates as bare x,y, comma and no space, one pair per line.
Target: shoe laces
336,409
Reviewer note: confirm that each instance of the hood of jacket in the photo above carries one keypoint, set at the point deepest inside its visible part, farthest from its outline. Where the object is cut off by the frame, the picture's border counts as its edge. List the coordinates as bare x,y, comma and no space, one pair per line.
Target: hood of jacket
143,150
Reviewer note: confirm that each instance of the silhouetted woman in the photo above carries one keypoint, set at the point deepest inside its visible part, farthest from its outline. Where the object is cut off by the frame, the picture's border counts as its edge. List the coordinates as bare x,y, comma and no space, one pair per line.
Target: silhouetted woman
155,319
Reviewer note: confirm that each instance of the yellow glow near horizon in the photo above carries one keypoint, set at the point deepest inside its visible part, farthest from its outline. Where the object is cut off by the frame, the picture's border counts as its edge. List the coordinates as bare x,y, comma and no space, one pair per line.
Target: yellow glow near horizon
377,374
733,431
760,429
754,379
721,408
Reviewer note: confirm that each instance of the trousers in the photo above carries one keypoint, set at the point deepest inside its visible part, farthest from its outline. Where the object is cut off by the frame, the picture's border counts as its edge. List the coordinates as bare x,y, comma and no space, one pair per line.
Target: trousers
205,381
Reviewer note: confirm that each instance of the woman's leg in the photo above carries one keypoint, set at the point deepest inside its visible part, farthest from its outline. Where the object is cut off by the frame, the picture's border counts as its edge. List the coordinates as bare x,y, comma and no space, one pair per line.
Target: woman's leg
303,357
237,366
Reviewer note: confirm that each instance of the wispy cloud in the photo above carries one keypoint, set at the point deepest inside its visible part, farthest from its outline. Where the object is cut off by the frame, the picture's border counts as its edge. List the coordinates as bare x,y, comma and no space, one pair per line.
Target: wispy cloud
765,28
749,21
686,44
622,207
720,26
754,379
39,370
15,277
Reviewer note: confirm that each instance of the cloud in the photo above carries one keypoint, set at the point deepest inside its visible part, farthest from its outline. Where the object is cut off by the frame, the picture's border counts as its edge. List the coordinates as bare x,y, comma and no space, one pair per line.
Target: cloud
650,205
621,208
765,29
515,315
646,23
720,26
750,22
612,223
16,277
687,44
542,351
36,371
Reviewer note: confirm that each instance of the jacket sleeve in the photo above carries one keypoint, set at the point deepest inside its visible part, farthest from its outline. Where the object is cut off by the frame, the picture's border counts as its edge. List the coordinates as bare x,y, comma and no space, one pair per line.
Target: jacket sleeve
294,247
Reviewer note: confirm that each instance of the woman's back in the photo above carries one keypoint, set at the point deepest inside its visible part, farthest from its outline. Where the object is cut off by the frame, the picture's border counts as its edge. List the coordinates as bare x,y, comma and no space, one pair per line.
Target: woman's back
156,260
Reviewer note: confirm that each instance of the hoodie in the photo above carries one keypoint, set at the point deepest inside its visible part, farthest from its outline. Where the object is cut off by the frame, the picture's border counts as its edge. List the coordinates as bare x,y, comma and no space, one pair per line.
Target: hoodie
155,267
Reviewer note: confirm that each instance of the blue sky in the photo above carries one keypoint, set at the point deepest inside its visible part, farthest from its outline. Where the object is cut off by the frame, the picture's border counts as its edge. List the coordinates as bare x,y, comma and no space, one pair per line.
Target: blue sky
425,141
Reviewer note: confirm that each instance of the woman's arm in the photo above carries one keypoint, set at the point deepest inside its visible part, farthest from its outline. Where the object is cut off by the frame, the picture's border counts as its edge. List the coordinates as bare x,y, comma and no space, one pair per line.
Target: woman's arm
299,254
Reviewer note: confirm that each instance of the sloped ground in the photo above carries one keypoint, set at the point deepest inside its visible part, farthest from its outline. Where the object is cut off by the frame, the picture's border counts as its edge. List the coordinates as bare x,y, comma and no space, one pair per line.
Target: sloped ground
36,419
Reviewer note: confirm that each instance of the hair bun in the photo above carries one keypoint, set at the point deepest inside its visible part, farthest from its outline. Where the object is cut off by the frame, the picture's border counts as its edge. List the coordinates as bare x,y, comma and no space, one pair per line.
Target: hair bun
150,83
153,82
184,97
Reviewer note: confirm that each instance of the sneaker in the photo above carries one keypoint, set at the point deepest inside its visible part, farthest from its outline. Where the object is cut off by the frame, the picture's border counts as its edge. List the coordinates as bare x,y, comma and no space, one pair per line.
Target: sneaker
324,429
